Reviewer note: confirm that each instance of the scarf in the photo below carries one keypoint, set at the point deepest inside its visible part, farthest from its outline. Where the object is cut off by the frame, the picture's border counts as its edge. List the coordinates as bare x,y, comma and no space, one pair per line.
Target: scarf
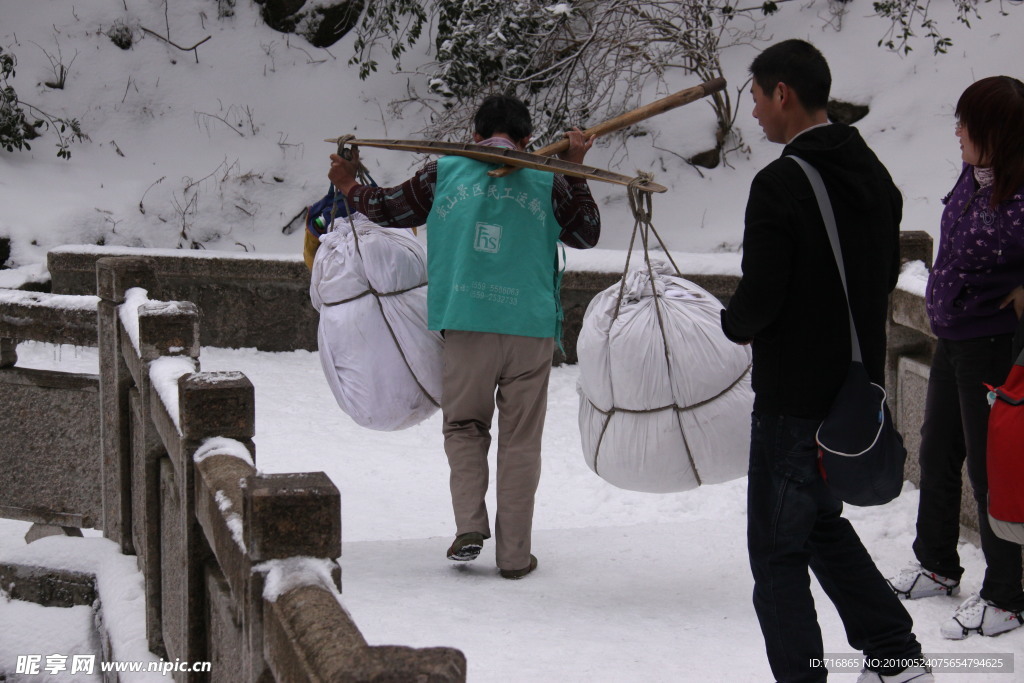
984,176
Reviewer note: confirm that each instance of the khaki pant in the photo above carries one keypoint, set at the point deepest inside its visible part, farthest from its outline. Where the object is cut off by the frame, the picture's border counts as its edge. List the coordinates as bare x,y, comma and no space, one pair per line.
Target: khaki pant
481,369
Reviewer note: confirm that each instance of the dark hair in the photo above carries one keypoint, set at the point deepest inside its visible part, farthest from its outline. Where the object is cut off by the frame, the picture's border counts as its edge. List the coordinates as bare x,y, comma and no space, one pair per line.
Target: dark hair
800,66
503,114
992,111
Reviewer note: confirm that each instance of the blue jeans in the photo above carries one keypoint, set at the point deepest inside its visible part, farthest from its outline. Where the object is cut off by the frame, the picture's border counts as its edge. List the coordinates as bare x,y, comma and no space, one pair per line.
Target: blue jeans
794,523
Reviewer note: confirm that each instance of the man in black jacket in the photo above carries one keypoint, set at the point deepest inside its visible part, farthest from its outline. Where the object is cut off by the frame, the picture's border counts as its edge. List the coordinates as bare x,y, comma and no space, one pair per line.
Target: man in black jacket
790,305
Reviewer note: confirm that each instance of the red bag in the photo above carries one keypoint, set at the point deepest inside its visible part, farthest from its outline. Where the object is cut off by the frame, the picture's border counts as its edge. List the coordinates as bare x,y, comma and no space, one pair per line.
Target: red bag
1006,456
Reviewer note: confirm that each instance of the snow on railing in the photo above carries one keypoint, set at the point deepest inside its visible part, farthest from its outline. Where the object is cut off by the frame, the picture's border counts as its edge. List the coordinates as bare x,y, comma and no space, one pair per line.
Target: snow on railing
51,318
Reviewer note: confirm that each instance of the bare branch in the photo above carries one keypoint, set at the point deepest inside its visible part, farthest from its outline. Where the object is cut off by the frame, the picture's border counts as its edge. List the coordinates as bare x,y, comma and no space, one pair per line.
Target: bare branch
173,44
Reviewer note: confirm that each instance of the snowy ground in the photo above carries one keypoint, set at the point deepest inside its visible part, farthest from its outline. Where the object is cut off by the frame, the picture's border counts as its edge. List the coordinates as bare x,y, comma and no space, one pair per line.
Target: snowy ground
630,586
225,146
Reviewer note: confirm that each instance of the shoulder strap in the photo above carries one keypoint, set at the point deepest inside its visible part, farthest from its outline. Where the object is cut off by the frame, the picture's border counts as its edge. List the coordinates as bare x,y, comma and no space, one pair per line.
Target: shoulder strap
825,206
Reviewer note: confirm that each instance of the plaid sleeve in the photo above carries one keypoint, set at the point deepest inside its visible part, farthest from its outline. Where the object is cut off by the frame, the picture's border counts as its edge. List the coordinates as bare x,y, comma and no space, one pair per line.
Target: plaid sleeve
576,211
404,206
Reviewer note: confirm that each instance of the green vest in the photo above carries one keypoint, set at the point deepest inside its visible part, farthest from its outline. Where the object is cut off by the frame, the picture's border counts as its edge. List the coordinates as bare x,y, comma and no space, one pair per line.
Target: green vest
492,251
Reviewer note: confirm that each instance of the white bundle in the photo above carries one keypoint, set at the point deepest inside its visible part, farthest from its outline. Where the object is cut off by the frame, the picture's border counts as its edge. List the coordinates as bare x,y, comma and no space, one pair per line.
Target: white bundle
659,419
382,363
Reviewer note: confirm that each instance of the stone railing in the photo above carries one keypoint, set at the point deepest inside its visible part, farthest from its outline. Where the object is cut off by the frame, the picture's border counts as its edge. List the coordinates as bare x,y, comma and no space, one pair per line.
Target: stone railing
263,302
240,569
51,475
244,300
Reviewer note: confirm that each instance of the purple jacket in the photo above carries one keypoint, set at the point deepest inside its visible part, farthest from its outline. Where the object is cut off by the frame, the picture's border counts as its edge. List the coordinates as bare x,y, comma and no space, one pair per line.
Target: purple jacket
980,260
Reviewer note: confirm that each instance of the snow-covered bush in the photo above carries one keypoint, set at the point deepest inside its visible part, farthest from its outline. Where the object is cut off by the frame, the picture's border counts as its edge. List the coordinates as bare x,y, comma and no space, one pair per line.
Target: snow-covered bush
15,128
480,43
398,23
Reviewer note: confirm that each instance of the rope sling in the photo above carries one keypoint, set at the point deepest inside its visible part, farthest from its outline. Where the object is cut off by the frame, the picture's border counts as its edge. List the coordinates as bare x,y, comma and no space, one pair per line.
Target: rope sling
641,206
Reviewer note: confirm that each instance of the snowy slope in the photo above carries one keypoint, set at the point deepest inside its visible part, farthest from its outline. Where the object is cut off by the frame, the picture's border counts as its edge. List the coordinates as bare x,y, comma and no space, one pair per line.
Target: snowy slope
227,150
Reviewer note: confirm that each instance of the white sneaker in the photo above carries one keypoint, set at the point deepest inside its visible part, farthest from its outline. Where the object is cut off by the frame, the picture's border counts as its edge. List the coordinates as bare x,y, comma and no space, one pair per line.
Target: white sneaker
917,582
917,674
981,616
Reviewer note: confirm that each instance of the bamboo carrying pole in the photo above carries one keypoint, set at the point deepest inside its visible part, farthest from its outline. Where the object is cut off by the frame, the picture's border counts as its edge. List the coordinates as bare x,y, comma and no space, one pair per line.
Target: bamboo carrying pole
629,118
501,155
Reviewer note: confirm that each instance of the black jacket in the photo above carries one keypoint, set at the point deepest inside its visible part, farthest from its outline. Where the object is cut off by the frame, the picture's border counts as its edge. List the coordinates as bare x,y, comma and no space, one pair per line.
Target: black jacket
790,300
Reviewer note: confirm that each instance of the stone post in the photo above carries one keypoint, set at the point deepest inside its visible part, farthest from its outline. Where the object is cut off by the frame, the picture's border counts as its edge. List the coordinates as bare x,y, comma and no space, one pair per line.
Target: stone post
916,245
165,329
285,515
114,277
209,405
8,353
906,322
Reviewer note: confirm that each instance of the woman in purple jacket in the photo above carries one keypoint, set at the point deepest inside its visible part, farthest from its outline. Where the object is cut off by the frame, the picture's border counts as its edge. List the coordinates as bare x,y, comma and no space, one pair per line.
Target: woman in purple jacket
975,299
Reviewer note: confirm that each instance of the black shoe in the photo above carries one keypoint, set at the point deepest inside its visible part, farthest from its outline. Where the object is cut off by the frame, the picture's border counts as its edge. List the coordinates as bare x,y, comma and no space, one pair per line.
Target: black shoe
519,573
466,547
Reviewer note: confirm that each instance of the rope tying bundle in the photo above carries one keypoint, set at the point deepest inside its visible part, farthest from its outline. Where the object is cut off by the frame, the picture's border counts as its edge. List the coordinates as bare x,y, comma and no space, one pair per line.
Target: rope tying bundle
641,206
374,293
675,406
